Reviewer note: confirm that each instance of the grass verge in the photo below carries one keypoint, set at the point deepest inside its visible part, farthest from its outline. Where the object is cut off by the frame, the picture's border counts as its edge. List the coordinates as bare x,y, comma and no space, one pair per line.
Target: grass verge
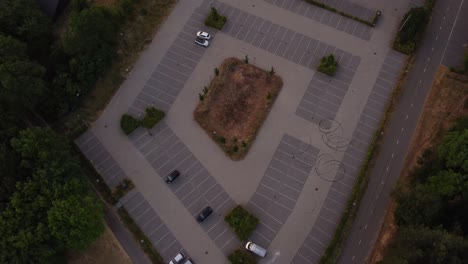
333,250
371,23
145,243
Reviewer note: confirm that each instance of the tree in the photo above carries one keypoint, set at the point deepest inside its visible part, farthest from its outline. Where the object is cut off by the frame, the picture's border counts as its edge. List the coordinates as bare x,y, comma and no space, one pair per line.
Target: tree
22,19
90,39
21,83
454,150
73,221
52,210
425,245
11,49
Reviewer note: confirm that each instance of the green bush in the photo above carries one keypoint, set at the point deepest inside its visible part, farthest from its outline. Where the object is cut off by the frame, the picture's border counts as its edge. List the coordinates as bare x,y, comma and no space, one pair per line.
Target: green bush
128,124
242,222
242,257
215,20
328,65
412,27
152,117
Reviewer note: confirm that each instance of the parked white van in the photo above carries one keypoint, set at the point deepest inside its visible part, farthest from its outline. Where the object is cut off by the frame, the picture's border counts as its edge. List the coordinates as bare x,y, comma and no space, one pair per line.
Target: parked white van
256,249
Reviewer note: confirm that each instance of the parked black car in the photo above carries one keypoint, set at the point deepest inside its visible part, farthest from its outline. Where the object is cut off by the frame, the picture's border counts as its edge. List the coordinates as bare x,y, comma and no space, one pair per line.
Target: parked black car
172,176
204,214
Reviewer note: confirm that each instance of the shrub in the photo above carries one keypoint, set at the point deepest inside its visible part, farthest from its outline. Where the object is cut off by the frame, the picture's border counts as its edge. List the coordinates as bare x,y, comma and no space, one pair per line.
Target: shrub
216,71
152,117
240,256
328,65
411,29
242,222
215,20
128,124
222,140
235,149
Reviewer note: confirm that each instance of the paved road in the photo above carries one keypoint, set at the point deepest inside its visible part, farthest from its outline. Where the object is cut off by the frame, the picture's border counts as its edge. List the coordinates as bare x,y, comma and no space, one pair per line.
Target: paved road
387,169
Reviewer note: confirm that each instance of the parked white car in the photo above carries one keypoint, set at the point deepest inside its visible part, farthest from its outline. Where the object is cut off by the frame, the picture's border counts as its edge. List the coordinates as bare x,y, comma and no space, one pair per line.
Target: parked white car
202,42
178,259
256,249
203,35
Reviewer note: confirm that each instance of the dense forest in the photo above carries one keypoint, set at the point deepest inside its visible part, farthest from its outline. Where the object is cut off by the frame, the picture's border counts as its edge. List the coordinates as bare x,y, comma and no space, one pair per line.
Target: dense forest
46,206
432,208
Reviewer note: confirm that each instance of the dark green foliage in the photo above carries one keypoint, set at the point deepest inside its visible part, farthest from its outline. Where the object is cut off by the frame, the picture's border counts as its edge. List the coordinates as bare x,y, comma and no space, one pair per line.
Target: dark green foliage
152,117
216,71
244,144
205,90
431,210
328,65
425,245
271,72
90,40
235,149
23,20
413,25
222,140
201,97
246,59
21,83
79,5
454,150
242,222
241,256
51,211
215,20
129,123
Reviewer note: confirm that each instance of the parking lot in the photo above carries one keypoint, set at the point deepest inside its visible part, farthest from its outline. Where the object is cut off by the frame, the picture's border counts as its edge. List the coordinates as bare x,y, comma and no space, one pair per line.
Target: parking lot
310,154
195,188
280,187
150,223
331,19
342,183
101,159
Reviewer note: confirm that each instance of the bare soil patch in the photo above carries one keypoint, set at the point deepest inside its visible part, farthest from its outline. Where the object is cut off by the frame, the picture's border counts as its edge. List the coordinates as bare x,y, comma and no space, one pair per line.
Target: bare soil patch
445,103
106,249
235,104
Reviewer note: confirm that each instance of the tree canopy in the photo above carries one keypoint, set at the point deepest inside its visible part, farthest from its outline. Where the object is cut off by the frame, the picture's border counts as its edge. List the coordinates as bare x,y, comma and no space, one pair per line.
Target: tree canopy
431,211
52,210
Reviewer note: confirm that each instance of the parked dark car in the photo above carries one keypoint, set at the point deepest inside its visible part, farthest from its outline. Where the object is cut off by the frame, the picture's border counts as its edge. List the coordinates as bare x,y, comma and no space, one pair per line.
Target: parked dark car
204,214
172,176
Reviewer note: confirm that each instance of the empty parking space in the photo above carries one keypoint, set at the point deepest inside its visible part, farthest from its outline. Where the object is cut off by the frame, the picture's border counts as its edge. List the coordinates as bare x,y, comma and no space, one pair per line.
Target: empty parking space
169,77
328,217
149,222
331,19
101,159
325,94
195,188
280,187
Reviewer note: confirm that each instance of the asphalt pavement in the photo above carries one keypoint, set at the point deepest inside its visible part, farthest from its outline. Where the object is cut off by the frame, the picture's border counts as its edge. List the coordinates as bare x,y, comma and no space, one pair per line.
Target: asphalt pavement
126,239
446,16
